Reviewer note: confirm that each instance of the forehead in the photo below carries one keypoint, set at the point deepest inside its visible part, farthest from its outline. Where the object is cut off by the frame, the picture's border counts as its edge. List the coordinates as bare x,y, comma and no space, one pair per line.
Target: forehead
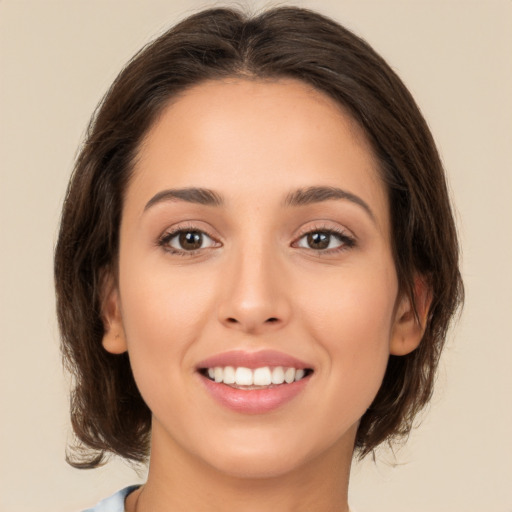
222,111
256,138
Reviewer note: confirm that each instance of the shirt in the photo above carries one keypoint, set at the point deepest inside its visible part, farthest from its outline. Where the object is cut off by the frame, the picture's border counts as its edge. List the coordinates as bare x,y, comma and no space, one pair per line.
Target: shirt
114,503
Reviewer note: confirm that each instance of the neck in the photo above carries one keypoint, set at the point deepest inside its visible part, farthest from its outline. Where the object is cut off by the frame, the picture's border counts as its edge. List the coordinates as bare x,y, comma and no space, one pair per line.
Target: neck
179,482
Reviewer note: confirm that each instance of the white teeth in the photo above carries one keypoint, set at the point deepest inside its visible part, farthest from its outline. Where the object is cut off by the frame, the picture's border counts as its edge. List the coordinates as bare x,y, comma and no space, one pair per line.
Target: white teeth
264,376
229,375
243,376
219,374
278,375
289,375
299,374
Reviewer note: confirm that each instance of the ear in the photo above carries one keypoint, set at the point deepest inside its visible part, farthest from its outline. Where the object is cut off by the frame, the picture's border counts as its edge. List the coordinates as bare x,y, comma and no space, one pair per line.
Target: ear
409,328
114,339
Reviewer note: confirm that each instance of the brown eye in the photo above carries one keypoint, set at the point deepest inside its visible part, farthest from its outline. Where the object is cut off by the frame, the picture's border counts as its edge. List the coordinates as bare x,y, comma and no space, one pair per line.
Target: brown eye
188,240
318,240
325,240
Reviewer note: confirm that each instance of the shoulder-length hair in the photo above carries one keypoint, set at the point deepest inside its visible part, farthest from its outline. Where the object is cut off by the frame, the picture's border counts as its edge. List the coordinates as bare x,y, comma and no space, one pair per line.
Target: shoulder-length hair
107,411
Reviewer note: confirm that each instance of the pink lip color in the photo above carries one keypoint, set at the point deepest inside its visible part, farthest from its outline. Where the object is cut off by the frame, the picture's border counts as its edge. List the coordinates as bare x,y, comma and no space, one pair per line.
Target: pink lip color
253,401
253,360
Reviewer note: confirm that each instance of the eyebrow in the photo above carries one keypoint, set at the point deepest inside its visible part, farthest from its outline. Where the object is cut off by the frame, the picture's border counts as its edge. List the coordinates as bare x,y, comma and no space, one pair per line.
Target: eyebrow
190,195
311,195
299,197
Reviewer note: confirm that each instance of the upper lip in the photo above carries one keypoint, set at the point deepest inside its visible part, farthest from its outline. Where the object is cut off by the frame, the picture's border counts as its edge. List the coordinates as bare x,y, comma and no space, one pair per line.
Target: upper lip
238,358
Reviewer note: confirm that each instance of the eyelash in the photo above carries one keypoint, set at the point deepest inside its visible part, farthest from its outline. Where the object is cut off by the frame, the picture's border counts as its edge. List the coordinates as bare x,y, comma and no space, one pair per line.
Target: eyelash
347,241
166,238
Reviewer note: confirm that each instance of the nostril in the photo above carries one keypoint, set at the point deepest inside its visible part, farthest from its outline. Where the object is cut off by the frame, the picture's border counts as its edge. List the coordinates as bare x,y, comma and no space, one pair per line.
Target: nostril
250,324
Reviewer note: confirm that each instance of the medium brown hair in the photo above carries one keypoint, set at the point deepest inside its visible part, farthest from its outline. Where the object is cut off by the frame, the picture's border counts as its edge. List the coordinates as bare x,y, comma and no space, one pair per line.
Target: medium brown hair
108,414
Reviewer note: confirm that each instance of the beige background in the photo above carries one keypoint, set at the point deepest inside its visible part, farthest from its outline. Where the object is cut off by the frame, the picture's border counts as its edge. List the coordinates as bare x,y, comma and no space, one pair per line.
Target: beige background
56,60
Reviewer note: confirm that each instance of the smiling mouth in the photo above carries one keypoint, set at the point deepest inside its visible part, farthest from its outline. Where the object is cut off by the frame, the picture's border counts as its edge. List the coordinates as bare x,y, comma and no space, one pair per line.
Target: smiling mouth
255,378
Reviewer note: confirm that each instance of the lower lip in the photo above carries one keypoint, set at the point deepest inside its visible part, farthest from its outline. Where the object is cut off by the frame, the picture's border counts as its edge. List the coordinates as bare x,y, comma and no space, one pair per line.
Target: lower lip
254,401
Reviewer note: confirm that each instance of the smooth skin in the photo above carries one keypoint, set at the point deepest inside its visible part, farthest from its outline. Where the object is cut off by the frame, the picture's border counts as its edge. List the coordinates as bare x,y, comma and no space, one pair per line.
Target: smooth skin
253,279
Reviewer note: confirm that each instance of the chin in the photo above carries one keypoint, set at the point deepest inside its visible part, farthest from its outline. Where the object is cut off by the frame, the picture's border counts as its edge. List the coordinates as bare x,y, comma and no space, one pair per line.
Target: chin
266,458
258,466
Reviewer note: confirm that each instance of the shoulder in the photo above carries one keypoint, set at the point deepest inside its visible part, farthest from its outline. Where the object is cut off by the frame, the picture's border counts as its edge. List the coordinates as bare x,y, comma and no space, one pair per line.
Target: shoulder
114,503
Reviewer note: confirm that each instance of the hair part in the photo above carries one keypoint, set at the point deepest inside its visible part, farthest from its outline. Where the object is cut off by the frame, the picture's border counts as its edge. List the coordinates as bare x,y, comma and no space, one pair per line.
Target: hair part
107,411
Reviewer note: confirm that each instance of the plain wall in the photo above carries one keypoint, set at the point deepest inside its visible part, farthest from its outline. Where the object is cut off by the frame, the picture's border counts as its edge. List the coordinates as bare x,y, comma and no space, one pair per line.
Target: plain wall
57,59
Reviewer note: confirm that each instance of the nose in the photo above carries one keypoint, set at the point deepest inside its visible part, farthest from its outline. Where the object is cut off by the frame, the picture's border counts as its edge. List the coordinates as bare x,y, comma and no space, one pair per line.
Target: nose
255,298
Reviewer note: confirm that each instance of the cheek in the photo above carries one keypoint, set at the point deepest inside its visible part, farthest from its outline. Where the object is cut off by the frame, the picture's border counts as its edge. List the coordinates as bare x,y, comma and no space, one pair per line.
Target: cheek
355,305
163,315
160,304
351,320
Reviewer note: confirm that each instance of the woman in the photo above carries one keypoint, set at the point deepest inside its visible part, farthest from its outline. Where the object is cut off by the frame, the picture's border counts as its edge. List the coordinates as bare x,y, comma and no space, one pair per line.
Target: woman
256,267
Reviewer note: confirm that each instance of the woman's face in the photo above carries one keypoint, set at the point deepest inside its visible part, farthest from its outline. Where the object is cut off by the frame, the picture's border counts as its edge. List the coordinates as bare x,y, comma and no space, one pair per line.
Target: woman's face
255,247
